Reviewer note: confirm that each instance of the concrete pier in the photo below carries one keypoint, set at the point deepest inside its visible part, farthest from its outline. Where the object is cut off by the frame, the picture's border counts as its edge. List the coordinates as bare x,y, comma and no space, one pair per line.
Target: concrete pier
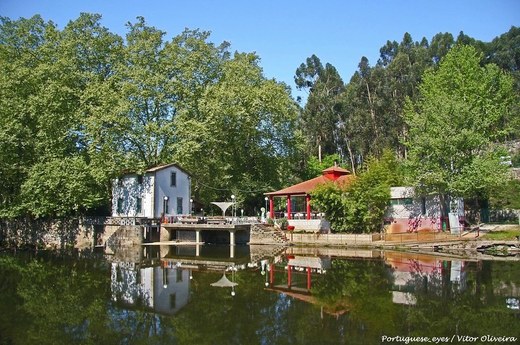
180,232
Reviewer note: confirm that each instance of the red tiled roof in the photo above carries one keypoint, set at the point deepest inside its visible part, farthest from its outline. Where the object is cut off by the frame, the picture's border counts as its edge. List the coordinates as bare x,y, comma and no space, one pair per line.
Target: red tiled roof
305,187
336,170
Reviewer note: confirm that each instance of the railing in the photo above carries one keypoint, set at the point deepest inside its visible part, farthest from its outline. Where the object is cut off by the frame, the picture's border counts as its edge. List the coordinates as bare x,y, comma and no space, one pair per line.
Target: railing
209,220
99,220
299,215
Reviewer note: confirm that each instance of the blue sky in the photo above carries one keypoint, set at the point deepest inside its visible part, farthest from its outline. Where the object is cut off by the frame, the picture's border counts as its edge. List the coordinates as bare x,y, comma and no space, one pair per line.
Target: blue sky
285,32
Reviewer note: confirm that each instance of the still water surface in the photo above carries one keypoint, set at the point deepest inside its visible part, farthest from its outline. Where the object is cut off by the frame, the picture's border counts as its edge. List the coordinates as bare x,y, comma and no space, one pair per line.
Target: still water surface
163,295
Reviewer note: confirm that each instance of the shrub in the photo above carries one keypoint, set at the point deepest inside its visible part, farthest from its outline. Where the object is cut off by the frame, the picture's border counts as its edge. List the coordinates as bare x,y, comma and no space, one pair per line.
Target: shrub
360,206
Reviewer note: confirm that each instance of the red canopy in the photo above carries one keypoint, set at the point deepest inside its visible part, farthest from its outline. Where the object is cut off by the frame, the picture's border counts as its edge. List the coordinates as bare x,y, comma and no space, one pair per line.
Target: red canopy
333,174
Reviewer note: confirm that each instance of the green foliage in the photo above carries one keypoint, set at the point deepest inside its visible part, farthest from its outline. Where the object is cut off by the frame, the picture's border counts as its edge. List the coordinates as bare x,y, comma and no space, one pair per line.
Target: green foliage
282,223
361,287
323,108
359,206
515,160
368,113
81,105
240,138
315,168
463,111
506,196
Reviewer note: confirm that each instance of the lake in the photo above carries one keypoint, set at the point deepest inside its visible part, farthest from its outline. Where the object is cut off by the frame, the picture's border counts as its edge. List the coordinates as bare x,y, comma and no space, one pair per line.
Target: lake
256,295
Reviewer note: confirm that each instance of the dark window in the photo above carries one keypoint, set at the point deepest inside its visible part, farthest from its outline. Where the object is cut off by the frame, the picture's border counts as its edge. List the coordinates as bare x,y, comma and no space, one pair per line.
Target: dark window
120,205
423,206
166,206
138,205
401,201
179,275
173,179
179,206
172,301
139,179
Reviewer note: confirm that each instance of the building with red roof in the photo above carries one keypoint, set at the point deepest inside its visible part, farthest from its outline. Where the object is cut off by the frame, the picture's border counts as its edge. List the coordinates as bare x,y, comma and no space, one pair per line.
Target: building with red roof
333,174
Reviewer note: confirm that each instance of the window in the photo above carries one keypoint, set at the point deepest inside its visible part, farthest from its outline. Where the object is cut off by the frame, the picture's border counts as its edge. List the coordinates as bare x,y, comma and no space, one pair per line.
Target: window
178,275
138,205
401,201
179,206
139,179
423,206
173,301
120,205
166,206
173,179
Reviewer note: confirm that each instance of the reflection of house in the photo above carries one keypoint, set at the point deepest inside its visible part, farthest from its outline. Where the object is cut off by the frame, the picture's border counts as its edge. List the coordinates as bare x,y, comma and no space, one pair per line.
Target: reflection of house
161,190
163,289
413,271
410,213
288,280
297,267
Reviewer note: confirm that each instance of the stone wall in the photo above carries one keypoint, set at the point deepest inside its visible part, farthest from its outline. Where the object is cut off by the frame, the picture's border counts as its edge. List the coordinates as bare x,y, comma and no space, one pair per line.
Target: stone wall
46,233
310,225
333,239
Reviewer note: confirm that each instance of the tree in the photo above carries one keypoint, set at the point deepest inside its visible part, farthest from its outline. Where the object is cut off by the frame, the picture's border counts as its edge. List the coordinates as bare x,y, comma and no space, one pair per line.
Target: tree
79,106
359,206
50,78
457,124
323,111
240,137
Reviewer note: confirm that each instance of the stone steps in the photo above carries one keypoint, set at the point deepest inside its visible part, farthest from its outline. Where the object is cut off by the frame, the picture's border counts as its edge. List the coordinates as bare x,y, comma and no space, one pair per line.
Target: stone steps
267,235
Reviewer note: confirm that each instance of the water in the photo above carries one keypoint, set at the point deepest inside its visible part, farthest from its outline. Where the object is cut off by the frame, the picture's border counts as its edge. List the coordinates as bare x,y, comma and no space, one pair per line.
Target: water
163,295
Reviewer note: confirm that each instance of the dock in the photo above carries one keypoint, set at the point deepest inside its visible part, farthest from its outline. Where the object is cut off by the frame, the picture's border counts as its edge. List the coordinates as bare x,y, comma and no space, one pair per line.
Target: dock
232,229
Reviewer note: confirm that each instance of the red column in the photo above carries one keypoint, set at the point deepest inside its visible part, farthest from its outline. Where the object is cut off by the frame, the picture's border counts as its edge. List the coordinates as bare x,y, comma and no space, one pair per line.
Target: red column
289,268
271,275
308,278
289,207
271,207
308,203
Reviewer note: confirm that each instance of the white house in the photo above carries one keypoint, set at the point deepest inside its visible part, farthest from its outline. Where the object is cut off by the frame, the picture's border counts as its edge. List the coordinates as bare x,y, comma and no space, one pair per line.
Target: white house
163,190
408,212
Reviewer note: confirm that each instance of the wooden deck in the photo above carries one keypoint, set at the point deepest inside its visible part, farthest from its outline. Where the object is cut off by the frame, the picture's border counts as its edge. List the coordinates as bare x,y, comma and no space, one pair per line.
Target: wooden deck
211,227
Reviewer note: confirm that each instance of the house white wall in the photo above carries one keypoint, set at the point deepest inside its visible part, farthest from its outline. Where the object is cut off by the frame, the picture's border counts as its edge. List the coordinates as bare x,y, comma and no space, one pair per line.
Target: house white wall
127,189
404,204
163,187
408,212
151,189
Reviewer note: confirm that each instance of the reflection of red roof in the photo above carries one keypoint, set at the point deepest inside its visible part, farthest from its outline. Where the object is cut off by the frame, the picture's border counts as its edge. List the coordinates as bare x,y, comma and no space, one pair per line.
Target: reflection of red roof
332,174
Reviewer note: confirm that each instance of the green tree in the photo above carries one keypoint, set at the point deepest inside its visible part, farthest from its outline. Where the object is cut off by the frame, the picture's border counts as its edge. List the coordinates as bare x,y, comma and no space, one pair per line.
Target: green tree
359,205
323,110
240,137
454,128
315,167
47,76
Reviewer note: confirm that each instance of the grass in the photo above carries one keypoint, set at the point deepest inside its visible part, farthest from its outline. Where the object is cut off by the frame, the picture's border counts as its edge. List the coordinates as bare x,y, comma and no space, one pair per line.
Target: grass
503,235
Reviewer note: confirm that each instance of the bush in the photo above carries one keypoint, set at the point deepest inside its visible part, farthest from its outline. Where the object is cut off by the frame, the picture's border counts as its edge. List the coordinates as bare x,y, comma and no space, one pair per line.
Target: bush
282,223
360,206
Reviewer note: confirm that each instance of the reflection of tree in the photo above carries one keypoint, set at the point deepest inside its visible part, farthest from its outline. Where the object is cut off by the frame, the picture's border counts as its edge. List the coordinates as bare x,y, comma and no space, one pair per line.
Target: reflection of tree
443,308
362,288
62,300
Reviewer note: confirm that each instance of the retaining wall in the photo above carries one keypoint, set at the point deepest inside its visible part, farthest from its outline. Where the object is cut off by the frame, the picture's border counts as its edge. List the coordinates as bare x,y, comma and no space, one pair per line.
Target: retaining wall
333,239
